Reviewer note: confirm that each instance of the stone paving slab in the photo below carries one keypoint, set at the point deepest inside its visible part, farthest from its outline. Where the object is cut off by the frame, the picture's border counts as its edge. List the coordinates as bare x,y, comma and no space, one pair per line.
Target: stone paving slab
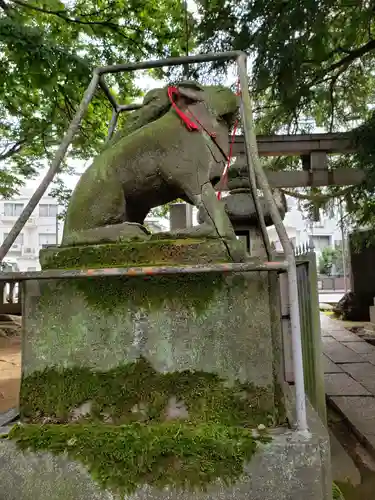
345,336
360,411
326,333
339,353
343,467
8,416
342,384
330,366
364,373
327,323
340,344
370,358
360,347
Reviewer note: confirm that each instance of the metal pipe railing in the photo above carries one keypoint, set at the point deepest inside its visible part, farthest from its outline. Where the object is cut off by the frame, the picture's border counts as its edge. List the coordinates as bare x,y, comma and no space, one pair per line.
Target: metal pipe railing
112,124
246,110
96,80
128,272
254,162
254,167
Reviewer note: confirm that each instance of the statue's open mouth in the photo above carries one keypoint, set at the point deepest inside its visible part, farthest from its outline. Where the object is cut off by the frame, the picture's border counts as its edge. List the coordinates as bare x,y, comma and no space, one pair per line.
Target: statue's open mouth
215,180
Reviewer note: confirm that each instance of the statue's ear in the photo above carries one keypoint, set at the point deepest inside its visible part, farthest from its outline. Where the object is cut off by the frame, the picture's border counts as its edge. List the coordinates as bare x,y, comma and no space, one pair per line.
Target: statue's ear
192,91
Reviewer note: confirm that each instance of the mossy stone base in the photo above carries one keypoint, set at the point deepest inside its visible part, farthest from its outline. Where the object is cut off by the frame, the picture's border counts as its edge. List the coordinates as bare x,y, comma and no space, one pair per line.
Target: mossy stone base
154,252
288,468
184,361
212,323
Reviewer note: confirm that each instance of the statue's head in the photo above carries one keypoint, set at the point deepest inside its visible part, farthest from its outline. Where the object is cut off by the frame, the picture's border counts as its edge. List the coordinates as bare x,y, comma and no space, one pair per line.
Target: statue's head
220,100
222,105
223,102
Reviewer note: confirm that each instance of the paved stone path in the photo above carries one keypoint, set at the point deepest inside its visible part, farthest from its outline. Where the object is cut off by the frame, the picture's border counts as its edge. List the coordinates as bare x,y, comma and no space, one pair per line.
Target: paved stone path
350,376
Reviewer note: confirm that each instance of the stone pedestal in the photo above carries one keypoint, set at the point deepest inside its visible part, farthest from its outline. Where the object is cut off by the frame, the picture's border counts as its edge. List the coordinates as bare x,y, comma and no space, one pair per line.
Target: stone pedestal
154,388
289,468
209,322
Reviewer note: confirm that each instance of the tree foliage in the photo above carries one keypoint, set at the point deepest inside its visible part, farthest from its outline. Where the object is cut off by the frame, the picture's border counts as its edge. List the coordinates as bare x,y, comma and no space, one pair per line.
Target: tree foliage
313,65
48,49
331,261
311,58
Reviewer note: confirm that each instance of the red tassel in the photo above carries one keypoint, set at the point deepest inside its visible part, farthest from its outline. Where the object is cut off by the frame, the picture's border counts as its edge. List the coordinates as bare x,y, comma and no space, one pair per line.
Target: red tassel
189,124
225,173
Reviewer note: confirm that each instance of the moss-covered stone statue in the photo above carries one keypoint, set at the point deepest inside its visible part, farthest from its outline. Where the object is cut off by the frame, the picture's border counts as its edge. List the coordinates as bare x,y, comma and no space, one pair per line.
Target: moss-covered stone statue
154,160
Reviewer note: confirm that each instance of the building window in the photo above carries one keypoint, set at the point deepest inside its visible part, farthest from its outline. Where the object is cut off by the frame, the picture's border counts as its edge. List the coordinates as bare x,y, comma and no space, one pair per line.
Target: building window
46,239
321,242
13,209
47,210
19,239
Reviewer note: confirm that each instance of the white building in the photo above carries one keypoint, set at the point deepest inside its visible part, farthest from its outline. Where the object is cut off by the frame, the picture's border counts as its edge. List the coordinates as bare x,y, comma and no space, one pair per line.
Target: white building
325,233
42,229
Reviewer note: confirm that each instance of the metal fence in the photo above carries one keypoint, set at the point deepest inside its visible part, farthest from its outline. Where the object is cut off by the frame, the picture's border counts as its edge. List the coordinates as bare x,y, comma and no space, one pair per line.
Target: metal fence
307,281
10,297
333,283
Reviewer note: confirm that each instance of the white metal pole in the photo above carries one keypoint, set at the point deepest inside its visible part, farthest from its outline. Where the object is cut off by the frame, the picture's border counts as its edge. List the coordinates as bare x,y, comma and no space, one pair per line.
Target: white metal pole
254,163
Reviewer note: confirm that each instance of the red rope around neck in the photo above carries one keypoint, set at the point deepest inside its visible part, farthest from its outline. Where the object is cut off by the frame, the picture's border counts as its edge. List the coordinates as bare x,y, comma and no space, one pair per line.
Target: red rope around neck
190,125
173,91
224,177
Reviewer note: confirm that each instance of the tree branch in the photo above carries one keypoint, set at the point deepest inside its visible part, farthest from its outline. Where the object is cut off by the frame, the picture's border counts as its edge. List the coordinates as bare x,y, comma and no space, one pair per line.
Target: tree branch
345,61
77,20
106,24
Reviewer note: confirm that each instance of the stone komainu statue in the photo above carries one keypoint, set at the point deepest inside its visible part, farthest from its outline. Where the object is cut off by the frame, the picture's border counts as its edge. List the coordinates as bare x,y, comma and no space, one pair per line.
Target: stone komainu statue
175,146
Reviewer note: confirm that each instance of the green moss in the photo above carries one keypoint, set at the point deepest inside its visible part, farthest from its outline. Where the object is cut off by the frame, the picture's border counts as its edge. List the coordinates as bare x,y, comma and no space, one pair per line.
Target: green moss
136,391
336,492
150,293
280,414
122,458
125,436
152,252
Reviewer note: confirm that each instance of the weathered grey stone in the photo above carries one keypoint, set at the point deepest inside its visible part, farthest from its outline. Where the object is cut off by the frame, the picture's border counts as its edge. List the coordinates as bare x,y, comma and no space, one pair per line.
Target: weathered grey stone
156,161
343,335
360,347
230,335
360,412
8,416
42,476
291,467
318,429
159,251
339,353
341,384
364,373
343,467
330,366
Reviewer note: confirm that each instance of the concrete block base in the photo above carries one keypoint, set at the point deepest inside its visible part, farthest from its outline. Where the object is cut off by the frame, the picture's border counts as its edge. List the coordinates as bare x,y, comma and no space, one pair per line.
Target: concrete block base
291,467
